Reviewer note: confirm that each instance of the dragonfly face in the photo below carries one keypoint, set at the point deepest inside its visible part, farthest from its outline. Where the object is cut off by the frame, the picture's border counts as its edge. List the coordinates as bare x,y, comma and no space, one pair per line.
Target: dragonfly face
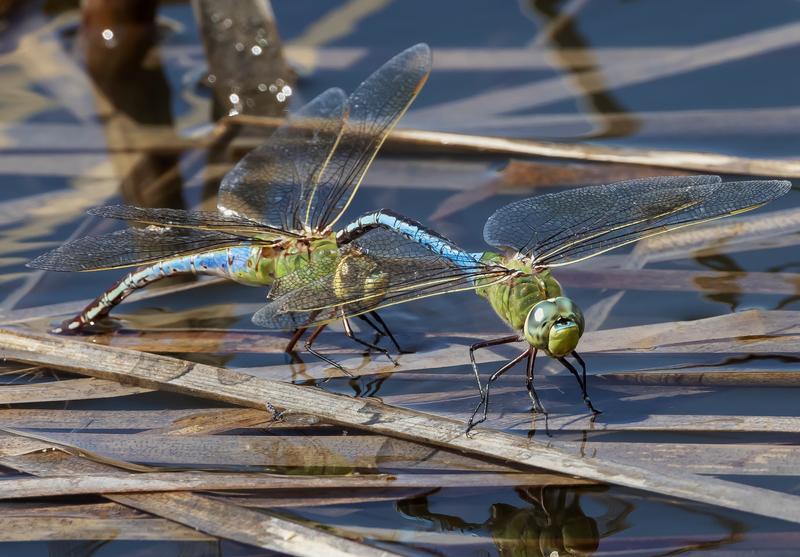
555,326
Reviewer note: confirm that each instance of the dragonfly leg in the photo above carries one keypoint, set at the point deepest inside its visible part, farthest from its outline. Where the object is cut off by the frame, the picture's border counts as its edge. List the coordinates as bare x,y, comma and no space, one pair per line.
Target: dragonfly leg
581,382
537,404
379,319
310,350
487,344
348,330
485,392
583,372
585,383
294,340
379,334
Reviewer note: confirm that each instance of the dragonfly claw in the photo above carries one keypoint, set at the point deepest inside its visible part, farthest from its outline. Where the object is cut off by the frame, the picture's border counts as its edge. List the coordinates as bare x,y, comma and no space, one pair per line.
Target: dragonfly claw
395,362
592,409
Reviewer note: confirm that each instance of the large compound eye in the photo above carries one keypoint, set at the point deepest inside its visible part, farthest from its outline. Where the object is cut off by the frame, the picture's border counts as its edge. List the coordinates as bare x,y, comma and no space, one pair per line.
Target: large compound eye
555,326
567,309
544,313
538,323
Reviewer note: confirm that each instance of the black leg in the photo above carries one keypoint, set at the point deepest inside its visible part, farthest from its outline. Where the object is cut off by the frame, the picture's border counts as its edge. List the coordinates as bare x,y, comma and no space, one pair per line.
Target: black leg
348,330
537,404
322,357
583,370
487,344
379,334
485,392
379,319
581,382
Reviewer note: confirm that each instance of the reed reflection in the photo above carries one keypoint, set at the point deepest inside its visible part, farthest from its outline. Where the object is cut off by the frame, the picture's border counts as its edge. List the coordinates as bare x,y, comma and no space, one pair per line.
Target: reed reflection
120,48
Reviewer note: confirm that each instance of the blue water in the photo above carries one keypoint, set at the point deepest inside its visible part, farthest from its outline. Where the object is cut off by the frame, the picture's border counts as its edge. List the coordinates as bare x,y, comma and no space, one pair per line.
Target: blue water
479,521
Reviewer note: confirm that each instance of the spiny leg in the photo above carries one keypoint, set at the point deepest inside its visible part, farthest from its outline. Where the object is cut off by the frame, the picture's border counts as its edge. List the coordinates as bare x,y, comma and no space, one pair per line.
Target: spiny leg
309,349
485,393
581,382
487,344
537,404
379,319
348,330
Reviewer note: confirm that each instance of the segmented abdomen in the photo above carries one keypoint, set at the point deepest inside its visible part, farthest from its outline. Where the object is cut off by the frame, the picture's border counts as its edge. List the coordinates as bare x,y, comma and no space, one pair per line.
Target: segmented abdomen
243,264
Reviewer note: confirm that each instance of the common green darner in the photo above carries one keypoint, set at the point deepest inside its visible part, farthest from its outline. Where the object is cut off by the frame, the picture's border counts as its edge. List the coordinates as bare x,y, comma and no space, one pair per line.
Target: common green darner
386,259
276,207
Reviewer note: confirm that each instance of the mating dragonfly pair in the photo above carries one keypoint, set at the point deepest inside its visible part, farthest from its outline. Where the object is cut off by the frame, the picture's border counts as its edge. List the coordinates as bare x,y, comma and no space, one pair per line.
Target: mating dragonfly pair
278,206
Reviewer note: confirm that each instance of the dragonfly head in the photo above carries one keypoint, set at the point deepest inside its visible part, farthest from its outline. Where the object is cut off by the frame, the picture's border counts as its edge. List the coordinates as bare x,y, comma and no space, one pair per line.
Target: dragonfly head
555,326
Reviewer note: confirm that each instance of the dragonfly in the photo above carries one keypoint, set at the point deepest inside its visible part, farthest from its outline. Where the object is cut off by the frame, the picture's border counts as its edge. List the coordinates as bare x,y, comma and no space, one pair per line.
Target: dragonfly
386,259
276,207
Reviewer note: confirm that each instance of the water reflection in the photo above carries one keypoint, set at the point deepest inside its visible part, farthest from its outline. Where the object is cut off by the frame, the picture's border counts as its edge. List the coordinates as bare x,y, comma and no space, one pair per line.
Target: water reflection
724,263
549,522
559,27
119,45
247,70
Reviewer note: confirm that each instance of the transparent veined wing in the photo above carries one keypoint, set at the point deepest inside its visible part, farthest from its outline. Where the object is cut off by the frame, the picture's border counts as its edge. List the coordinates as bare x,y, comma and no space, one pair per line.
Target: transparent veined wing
562,228
273,183
132,246
373,110
380,268
201,220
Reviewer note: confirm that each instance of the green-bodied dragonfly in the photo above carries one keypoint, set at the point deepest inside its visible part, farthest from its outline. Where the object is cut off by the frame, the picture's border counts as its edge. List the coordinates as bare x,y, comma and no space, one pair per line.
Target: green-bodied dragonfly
386,259
276,208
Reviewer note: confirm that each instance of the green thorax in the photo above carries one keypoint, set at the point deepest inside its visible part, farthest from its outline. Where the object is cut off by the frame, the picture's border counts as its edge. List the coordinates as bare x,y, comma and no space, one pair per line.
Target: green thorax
513,299
266,263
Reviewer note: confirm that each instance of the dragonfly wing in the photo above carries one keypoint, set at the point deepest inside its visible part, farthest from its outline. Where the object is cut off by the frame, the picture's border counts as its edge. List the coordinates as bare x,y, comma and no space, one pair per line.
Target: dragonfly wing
271,183
373,110
131,247
563,228
176,218
378,269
